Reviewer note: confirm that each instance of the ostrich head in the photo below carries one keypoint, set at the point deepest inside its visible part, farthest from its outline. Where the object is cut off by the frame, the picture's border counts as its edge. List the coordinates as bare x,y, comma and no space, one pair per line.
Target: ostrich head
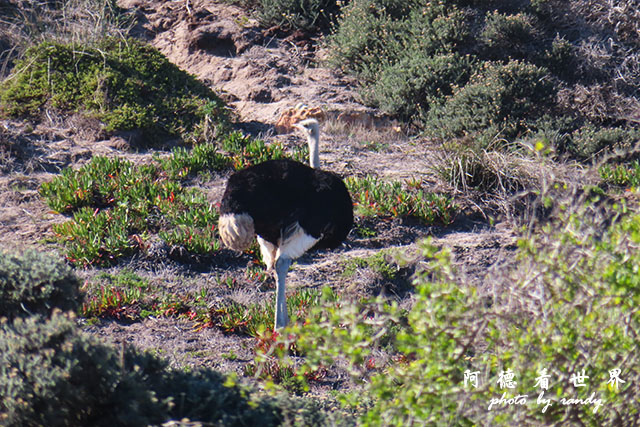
311,128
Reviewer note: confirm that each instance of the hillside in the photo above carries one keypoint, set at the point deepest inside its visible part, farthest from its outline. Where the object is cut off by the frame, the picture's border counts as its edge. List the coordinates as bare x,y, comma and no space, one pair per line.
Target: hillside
520,174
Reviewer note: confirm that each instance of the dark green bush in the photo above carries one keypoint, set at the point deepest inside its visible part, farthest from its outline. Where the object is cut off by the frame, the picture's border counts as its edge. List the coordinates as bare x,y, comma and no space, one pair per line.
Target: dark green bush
521,55
591,140
561,59
125,83
53,374
375,34
33,282
298,14
507,35
367,35
408,87
498,101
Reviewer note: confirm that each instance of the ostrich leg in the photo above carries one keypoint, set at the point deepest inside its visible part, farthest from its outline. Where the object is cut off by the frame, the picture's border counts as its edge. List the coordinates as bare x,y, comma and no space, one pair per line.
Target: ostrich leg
282,267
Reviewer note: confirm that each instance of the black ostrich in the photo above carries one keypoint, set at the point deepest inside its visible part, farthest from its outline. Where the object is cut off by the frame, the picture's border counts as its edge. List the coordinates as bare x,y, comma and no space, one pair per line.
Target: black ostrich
290,206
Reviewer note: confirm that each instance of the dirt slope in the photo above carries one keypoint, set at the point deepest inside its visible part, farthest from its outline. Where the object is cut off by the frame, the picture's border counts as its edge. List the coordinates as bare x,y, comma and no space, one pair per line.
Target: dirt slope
258,73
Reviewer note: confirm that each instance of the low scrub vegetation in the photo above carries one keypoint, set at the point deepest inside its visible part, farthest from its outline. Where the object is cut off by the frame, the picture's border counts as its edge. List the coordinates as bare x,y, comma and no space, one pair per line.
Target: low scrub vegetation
126,297
374,197
463,70
53,374
116,203
124,83
566,308
308,15
35,283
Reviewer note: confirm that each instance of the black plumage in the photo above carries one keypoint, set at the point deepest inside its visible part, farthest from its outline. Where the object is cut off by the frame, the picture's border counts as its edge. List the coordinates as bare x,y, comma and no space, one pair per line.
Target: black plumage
277,194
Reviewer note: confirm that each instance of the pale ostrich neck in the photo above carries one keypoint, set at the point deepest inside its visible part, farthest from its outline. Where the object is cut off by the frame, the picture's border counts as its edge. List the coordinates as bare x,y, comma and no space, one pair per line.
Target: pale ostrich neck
314,152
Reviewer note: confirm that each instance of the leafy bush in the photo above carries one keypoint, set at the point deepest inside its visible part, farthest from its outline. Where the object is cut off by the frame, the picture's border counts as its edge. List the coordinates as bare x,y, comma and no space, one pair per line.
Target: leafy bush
53,374
591,140
33,282
298,14
498,101
126,84
507,35
375,34
567,305
409,87
520,56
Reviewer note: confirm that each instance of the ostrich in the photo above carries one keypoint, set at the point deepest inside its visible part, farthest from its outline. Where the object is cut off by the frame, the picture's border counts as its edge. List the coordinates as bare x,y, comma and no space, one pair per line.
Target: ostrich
290,206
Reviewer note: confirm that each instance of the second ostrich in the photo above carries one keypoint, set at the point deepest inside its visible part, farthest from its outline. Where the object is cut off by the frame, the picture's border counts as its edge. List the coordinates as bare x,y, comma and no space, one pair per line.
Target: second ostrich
291,207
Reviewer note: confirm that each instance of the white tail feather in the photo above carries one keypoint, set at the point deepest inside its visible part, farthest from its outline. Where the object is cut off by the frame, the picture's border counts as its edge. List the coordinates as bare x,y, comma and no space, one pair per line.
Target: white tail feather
236,230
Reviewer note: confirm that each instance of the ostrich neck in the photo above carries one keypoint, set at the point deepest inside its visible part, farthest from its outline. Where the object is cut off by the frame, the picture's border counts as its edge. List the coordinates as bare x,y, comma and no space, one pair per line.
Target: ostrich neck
314,152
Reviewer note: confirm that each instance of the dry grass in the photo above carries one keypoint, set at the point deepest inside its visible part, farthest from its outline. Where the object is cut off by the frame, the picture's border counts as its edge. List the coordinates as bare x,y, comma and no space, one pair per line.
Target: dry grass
368,131
28,22
507,183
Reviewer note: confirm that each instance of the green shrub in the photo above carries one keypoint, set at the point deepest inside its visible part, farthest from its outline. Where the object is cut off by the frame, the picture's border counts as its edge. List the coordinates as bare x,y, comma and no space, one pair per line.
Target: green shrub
623,175
298,14
126,84
408,88
201,158
591,140
33,282
569,303
498,102
561,59
520,56
374,34
53,374
507,35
